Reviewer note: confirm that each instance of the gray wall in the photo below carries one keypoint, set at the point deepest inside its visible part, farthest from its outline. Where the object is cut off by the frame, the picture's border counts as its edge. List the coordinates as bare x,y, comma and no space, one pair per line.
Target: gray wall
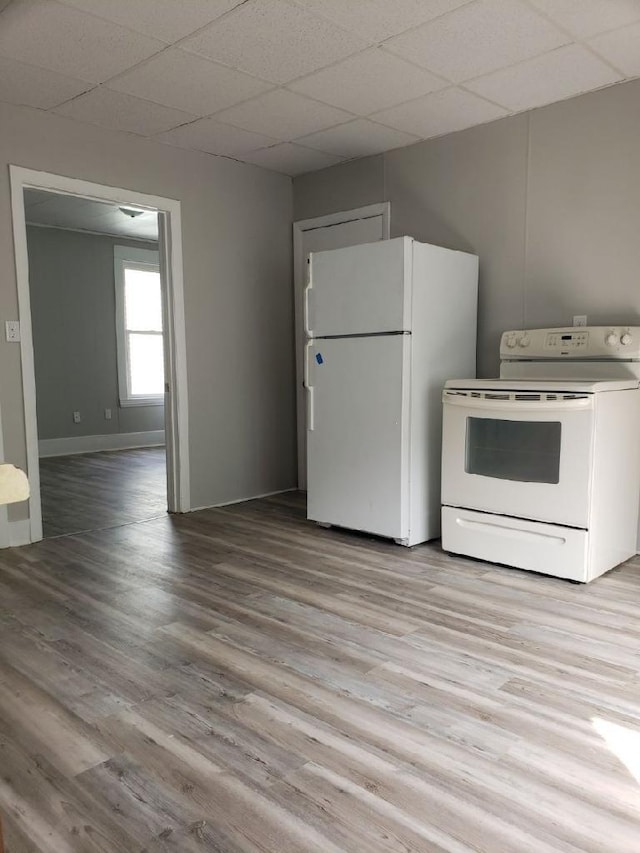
549,200
236,228
73,312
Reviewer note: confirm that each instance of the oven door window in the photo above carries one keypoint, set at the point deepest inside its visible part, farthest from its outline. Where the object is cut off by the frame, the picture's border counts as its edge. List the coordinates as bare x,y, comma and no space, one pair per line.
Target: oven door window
526,451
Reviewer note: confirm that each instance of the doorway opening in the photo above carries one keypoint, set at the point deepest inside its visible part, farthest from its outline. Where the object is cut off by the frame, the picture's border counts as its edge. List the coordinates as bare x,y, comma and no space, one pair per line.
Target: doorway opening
102,341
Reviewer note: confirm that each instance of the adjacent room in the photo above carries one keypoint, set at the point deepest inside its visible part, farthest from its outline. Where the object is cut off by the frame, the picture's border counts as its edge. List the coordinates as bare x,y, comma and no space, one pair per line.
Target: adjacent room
319,426
96,309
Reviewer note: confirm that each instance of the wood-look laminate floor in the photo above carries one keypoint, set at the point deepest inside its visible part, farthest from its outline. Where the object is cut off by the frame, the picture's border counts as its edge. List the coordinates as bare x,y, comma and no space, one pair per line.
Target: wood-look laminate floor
241,680
90,491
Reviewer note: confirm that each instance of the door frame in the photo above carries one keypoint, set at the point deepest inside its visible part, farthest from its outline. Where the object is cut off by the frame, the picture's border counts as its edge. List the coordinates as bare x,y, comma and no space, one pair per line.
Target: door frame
176,397
5,538
299,280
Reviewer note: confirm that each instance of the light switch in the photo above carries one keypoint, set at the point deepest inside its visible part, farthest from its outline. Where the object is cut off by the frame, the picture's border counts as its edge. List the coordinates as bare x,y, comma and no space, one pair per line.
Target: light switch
12,328
107,414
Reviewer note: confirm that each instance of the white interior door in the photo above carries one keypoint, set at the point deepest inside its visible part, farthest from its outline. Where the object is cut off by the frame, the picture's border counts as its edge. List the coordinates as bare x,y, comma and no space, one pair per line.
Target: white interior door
357,433
349,228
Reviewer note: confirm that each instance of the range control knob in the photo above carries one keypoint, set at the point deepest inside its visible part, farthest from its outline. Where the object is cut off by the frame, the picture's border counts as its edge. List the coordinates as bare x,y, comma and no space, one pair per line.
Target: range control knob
510,341
611,339
524,341
626,339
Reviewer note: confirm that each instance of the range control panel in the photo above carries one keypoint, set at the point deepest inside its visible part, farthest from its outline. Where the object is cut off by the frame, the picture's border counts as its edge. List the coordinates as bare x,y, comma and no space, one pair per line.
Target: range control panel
608,342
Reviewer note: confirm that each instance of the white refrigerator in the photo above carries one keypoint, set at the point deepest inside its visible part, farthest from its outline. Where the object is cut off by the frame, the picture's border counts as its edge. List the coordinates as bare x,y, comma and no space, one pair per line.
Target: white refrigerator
387,324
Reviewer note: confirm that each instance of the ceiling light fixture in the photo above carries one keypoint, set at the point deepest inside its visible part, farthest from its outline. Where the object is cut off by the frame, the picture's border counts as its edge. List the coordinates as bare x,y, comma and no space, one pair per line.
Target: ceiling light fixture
131,211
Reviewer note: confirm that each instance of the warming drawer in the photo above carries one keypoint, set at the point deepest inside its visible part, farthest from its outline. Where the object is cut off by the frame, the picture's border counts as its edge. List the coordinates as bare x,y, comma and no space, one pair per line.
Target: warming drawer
546,548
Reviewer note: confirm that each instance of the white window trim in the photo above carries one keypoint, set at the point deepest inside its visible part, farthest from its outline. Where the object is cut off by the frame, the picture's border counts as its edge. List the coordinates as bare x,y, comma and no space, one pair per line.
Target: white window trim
141,258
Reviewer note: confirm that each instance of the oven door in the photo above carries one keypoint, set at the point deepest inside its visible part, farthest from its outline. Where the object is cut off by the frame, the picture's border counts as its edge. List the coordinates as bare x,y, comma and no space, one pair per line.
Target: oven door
523,455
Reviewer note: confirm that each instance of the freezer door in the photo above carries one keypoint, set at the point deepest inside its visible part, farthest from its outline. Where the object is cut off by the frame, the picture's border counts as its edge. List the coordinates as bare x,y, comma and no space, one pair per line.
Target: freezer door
357,437
360,289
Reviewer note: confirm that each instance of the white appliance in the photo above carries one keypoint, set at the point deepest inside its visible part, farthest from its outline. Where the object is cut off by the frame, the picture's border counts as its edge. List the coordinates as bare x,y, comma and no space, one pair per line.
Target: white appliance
541,468
379,319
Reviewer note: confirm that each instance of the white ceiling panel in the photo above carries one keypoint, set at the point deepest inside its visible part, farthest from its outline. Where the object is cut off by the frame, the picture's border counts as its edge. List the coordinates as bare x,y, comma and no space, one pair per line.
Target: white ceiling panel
34,197
563,73
282,115
358,138
188,82
35,87
621,48
55,208
123,112
168,20
584,18
114,221
143,228
47,34
377,20
440,113
478,38
294,85
213,137
64,211
273,40
291,159
369,81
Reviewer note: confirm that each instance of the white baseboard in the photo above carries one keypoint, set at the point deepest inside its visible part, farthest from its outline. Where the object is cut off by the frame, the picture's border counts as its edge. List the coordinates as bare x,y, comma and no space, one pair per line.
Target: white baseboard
94,443
244,500
19,533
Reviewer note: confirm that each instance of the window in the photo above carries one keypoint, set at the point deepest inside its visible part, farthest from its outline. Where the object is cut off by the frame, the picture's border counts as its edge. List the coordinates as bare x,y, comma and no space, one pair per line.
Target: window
139,327
527,451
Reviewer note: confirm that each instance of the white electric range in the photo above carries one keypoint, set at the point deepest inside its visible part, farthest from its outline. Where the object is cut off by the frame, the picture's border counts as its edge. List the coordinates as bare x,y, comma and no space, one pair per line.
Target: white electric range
541,468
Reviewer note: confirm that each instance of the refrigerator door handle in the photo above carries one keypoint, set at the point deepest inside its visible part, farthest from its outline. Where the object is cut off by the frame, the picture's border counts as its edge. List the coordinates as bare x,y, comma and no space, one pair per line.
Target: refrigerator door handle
308,386
310,410
305,308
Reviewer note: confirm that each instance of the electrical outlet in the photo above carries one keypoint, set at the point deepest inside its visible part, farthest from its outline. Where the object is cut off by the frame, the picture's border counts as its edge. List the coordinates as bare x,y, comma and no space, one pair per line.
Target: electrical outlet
107,414
579,319
12,330
76,417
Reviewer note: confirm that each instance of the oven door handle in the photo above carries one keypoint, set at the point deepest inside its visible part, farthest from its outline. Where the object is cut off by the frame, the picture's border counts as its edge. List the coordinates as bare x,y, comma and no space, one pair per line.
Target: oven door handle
579,403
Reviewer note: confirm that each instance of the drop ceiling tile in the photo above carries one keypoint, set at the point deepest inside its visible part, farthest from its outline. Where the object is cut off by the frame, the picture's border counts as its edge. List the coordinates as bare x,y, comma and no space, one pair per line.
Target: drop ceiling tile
282,115
58,211
440,113
29,86
116,222
584,18
211,136
274,40
100,208
359,138
478,38
35,197
122,112
291,159
368,81
621,48
377,20
168,20
187,82
563,73
113,221
64,211
47,34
